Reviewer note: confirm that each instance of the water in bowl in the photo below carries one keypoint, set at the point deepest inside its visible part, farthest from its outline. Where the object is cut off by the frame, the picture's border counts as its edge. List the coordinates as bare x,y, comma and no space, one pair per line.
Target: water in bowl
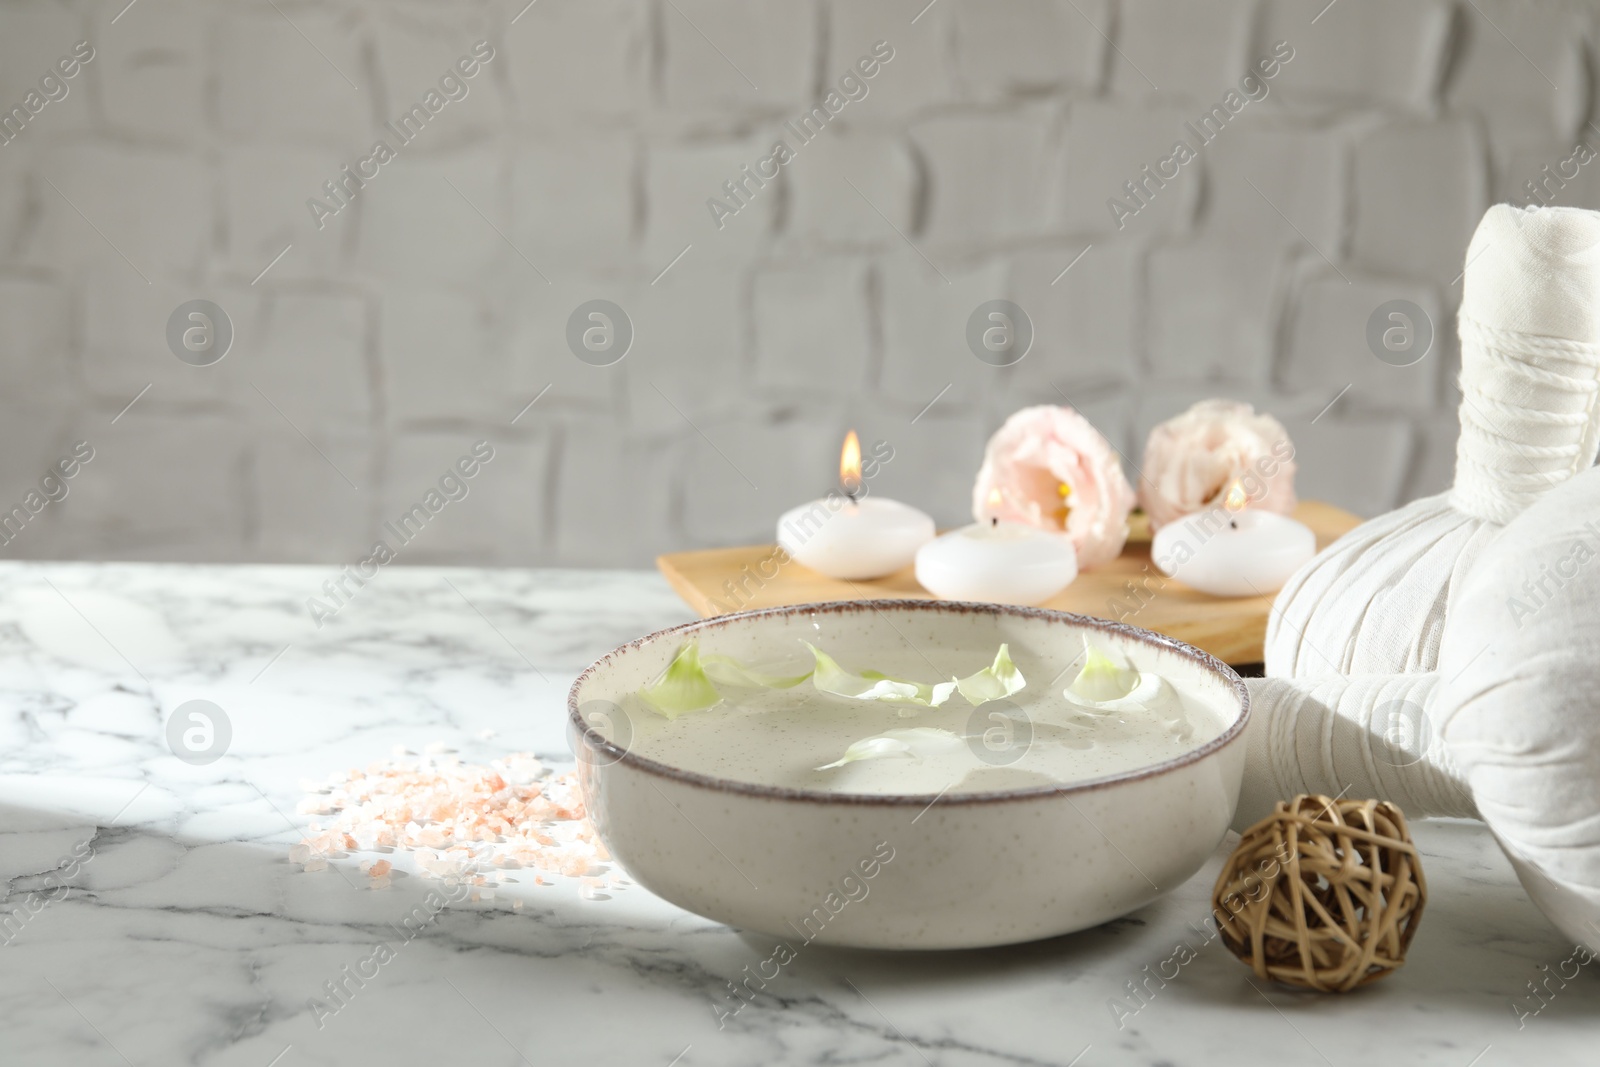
795,738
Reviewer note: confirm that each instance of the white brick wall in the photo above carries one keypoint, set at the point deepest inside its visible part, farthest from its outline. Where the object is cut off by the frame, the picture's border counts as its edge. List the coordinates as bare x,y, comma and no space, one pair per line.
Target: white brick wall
430,311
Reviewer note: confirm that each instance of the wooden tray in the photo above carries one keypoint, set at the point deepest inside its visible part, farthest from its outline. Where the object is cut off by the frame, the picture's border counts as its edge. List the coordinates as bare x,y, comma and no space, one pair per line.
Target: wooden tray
1230,629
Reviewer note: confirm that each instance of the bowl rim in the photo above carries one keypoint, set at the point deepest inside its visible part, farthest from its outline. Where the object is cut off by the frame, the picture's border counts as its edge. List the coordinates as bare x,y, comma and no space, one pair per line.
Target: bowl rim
582,732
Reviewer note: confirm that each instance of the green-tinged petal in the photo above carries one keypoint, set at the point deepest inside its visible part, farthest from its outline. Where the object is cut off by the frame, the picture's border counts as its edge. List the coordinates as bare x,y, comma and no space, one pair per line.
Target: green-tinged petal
725,670
683,687
1102,679
1107,686
913,743
871,748
994,682
829,677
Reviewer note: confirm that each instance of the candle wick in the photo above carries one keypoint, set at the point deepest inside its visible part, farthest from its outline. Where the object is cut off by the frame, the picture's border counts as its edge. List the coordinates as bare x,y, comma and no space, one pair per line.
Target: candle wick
1233,524
994,521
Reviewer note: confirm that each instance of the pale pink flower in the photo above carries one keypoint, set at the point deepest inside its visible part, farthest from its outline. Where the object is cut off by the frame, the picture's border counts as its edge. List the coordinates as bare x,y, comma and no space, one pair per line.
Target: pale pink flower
1193,459
1048,467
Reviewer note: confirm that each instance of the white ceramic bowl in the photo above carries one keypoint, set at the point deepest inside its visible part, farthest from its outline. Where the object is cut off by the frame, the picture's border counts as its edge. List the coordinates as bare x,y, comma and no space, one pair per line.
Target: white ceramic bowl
924,872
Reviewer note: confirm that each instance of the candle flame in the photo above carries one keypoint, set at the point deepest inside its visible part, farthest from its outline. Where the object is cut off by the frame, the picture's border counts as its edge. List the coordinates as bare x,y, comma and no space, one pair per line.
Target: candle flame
1236,498
996,501
850,464
996,498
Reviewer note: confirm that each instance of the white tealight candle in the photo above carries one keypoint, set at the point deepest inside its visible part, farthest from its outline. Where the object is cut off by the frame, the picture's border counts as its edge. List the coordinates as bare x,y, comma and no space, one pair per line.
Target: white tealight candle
854,538
845,537
1233,552
997,562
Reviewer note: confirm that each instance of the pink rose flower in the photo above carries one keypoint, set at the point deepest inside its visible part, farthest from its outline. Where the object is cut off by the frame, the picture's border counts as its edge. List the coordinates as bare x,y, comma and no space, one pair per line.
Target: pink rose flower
1191,461
1048,467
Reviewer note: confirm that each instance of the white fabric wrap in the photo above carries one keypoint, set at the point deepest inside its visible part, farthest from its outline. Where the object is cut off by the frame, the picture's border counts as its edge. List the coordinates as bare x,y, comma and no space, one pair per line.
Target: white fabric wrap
1519,707
1530,363
1480,607
1375,601
1361,736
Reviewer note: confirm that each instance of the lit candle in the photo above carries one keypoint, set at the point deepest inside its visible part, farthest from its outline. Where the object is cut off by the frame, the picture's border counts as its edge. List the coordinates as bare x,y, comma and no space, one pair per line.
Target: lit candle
851,535
998,563
1233,550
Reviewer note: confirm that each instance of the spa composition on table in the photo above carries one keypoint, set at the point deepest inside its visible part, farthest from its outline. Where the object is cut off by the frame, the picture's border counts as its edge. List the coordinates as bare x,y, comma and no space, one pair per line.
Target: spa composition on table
1481,595
190,898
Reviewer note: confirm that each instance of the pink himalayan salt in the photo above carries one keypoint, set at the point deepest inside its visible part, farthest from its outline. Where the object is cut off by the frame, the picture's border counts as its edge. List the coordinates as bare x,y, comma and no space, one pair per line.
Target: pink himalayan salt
461,820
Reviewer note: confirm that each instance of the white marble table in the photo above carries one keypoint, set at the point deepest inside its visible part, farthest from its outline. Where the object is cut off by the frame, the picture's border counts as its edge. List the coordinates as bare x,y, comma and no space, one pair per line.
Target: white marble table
180,934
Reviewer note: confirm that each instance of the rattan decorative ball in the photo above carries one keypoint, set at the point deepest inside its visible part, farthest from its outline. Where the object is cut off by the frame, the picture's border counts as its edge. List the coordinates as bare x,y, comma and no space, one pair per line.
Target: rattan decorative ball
1323,893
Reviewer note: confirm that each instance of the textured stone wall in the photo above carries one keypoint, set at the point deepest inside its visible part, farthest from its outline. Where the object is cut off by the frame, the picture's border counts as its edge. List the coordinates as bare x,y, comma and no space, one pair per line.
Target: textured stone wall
374,341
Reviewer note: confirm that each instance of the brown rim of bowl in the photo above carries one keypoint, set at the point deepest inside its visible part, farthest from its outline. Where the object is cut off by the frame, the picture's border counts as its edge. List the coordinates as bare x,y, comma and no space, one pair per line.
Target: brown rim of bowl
1205,659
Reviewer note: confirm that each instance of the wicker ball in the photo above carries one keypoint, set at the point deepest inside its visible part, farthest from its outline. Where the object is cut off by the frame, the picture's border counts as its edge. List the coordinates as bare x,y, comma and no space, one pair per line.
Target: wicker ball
1324,894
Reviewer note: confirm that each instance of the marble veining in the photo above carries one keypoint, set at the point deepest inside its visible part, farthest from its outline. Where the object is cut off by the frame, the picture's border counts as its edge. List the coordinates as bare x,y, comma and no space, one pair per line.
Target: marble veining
150,915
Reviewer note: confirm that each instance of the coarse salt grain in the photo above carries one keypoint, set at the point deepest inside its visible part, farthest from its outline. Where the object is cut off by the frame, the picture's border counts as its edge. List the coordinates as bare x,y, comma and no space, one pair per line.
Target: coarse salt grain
462,821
